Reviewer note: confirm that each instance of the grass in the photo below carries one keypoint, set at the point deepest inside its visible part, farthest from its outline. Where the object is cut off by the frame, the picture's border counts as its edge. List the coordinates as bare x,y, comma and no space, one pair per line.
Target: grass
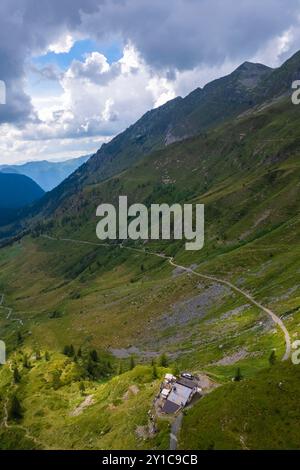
257,413
120,405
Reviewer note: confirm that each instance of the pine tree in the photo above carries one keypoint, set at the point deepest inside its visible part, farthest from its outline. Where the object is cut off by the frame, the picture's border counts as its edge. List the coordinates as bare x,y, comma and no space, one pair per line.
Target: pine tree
176,370
19,338
154,372
26,362
82,388
15,410
56,382
69,350
120,368
66,350
94,355
238,375
79,353
132,363
47,356
90,367
16,375
272,358
163,360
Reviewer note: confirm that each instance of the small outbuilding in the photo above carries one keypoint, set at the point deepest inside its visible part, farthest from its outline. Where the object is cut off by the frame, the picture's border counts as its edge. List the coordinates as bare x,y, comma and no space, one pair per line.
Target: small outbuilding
178,392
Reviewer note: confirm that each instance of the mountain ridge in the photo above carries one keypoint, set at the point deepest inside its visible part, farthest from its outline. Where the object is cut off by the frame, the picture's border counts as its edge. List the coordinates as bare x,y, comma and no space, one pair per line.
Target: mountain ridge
182,128
181,118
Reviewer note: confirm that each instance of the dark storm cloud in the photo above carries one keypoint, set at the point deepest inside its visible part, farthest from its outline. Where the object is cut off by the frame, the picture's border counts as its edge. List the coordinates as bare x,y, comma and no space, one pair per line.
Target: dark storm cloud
170,34
27,27
185,33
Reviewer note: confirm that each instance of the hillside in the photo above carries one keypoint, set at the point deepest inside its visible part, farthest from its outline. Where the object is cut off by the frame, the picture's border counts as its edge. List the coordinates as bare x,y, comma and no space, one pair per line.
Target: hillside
259,413
53,408
251,199
16,191
46,174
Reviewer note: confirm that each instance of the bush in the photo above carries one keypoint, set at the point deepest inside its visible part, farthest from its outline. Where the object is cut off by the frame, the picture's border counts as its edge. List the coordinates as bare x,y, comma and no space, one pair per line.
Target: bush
132,363
163,360
16,375
272,358
69,351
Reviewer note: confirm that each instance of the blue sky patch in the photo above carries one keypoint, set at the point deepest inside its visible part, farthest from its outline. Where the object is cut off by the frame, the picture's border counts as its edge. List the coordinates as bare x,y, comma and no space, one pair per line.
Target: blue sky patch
112,52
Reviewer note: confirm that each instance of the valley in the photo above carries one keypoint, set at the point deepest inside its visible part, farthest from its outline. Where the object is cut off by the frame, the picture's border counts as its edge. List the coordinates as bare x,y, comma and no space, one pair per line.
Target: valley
92,327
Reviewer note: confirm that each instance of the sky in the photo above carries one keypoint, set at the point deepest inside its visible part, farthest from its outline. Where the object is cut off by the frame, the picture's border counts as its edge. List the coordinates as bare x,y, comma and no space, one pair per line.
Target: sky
78,72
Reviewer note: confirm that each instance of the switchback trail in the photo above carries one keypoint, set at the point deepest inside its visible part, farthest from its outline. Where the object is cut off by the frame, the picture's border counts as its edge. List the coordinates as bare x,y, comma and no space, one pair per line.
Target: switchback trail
277,320
269,312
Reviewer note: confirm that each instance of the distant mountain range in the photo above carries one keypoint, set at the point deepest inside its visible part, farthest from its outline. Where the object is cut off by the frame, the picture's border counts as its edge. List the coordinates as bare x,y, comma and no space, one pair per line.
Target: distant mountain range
46,174
16,191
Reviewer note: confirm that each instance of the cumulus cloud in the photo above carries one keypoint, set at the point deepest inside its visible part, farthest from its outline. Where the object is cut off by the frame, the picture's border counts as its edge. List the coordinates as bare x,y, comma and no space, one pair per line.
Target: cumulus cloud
170,48
49,72
28,27
174,34
100,98
94,69
183,34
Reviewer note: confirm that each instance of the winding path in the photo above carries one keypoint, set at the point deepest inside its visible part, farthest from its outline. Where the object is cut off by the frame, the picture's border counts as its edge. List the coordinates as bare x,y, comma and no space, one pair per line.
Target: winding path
273,315
277,320
175,429
9,311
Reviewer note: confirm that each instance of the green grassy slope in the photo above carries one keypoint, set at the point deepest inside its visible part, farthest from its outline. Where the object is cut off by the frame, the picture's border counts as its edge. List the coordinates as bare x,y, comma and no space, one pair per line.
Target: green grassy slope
258,413
250,190
114,416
